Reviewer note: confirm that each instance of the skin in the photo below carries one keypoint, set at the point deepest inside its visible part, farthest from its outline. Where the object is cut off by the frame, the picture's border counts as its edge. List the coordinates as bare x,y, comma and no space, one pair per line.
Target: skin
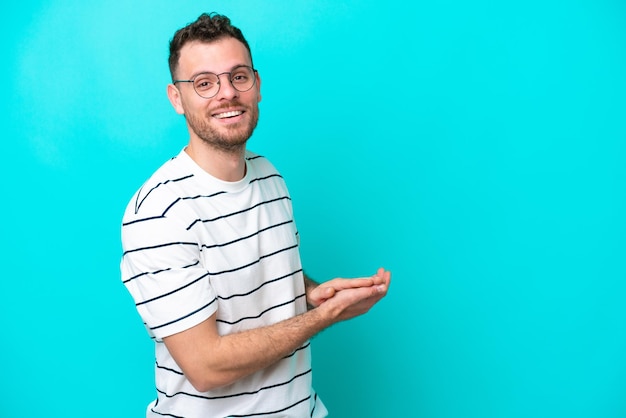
208,359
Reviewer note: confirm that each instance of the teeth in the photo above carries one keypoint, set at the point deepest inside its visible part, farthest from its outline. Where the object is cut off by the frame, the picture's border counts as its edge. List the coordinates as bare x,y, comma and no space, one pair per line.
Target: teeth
229,114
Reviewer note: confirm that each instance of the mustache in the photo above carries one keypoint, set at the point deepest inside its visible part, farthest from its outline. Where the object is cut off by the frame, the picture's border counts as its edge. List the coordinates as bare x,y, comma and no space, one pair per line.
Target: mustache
229,105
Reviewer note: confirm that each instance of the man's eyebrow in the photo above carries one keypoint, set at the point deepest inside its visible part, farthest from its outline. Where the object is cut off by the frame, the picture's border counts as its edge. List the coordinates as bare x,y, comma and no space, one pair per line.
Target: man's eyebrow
213,72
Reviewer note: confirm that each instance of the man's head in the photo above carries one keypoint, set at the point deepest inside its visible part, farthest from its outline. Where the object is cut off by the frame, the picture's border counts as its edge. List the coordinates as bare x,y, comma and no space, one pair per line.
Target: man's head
214,84
207,28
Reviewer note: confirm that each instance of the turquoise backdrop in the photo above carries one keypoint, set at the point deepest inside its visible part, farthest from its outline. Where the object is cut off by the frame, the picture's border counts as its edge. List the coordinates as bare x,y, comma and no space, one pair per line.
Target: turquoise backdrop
475,148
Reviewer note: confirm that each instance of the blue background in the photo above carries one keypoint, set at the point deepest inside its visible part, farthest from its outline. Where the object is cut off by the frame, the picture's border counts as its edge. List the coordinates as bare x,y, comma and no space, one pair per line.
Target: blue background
475,148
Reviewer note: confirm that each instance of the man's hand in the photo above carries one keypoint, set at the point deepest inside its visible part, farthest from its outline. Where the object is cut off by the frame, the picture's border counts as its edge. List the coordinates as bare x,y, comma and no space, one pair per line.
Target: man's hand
347,298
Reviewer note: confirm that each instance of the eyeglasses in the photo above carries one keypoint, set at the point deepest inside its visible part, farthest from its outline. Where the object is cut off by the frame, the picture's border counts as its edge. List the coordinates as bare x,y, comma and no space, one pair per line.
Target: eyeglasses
207,85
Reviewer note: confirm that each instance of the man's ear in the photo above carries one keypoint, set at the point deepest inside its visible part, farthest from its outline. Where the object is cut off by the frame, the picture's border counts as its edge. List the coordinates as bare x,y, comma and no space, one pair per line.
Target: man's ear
174,95
258,85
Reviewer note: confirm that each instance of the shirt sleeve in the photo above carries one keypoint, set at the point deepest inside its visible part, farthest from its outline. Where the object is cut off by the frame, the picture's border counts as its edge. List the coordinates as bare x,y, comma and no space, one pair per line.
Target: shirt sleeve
161,269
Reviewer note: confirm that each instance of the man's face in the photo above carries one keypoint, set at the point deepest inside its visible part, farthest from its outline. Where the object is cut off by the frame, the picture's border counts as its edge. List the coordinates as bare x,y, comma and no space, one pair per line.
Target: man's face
227,120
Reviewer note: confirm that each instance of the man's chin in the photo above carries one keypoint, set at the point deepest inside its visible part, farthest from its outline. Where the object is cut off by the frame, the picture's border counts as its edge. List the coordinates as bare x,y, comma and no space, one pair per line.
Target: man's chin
227,143
227,138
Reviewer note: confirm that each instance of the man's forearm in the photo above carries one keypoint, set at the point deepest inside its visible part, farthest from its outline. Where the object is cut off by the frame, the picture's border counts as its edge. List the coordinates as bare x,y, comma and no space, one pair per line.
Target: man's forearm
252,350
210,360
244,353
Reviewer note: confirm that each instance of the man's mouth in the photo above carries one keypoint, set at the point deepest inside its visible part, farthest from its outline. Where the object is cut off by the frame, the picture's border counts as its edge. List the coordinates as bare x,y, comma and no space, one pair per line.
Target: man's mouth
230,114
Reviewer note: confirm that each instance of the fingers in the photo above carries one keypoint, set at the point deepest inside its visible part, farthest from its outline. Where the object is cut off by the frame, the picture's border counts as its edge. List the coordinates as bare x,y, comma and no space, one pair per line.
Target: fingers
341,284
381,281
382,276
356,294
375,285
352,302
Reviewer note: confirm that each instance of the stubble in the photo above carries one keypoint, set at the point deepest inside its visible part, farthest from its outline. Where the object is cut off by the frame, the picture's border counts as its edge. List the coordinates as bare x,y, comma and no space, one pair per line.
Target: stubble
226,138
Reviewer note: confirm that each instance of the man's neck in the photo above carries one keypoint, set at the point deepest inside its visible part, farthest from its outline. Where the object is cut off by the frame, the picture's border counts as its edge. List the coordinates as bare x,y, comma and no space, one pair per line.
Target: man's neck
226,165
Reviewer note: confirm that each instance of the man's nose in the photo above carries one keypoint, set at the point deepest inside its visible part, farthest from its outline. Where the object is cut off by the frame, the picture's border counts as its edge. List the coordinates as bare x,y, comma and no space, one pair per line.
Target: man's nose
226,91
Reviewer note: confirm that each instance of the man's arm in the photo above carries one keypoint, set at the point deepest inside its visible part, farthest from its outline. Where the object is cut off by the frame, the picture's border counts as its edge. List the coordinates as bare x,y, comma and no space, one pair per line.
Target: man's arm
210,360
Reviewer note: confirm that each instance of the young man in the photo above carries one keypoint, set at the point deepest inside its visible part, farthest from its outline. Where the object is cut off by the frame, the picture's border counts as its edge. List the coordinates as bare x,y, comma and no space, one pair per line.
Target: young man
211,252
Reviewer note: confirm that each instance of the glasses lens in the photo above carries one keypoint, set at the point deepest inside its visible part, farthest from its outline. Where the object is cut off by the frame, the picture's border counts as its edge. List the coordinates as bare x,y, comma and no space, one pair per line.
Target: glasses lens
242,78
206,84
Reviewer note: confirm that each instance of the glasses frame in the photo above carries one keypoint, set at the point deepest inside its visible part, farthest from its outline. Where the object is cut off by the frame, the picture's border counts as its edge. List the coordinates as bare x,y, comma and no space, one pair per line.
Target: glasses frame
219,82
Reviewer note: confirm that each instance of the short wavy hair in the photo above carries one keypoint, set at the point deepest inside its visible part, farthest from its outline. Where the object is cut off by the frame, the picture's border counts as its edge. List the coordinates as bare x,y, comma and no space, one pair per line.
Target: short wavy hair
207,28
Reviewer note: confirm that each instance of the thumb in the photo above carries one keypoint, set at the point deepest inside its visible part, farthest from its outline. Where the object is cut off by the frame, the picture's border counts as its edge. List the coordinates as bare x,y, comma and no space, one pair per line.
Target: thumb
328,292
322,293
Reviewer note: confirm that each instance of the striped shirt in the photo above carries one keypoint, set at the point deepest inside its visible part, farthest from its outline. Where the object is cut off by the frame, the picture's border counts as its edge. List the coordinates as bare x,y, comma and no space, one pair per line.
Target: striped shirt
195,245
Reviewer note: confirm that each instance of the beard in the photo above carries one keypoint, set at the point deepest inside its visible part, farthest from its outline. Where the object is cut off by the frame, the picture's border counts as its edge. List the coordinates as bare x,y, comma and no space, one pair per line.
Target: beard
227,138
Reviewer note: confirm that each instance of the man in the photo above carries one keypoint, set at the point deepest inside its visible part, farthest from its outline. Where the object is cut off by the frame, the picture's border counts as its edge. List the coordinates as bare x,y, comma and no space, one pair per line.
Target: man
211,252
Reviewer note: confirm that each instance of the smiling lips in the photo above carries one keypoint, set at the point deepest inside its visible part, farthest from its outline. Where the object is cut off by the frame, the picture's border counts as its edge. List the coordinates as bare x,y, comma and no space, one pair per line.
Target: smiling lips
230,114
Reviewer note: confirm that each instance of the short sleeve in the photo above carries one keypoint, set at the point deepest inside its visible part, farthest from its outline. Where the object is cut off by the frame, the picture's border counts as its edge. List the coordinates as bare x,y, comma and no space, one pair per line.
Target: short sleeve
161,269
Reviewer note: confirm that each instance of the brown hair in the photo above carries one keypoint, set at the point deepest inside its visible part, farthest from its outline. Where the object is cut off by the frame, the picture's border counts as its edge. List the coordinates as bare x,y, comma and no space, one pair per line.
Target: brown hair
207,28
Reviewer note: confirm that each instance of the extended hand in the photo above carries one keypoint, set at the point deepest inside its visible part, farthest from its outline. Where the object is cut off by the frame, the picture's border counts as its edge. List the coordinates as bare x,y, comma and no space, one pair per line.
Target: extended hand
343,299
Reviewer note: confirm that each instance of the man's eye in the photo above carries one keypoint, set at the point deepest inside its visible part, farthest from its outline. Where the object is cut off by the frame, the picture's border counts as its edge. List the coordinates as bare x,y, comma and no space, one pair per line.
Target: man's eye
240,77
204,84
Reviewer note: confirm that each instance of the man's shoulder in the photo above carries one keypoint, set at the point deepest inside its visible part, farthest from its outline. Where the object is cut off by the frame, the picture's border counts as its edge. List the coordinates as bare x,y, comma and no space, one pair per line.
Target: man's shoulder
260,163
162,188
